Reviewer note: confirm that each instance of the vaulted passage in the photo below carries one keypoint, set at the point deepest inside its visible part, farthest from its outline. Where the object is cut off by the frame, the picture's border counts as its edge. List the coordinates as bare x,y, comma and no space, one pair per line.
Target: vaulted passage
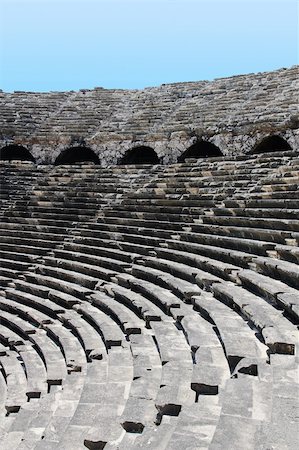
73,155
15,152
140,155
201,149
272,144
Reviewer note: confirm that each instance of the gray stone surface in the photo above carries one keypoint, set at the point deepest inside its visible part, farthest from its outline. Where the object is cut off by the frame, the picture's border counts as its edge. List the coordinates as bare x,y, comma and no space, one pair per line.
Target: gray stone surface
167,118
140,306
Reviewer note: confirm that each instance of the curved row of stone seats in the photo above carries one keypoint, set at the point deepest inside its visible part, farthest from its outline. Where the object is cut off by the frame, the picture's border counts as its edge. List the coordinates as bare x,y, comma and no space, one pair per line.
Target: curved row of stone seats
57,191
81,311
154,111
16,180
30,361
127,425
42,219
159,278
218,268
72,363
132,425
290,347
246,242
33,107
130,290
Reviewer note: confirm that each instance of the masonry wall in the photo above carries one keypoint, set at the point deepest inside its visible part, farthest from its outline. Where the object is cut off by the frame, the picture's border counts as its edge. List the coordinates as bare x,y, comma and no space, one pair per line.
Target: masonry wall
234,113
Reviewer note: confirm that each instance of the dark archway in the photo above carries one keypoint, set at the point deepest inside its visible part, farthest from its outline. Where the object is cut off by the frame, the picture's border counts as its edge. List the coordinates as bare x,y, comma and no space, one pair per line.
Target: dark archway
15,152
272,144
201,149
140,155
74,155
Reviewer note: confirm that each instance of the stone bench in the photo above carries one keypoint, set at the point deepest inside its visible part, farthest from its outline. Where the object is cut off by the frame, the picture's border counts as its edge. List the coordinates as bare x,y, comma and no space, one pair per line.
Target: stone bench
26,228
105,325
278,333
128,321
20,326
33,235
248,232
239,340
115,222
258,247
289,252
139,304
140,410
247,244
145,215
182,271
38,303
278,269
70,211
230,256
102,262
51,354
7,274
271,213
181,288
91,272
16,382
98,248
161,297
273,290
209,266
87,335
67,275
72,349
127,251
63,223
50,217
265,223
18,256
65,287
262,203
36,372
177,367
17,266
26,242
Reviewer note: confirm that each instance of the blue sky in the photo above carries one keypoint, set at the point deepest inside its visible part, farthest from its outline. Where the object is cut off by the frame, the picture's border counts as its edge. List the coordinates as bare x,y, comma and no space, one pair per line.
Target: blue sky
73,44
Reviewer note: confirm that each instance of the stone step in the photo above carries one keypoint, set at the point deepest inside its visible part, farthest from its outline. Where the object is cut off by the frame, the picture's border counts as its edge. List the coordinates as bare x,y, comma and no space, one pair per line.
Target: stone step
278,333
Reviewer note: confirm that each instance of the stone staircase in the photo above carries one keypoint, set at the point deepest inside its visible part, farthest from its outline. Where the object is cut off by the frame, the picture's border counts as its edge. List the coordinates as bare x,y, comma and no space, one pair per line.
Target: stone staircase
150,306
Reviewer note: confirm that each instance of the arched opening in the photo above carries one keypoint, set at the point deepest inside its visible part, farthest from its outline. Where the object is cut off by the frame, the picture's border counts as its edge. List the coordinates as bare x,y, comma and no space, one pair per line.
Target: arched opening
201,149
15,152
140,155
74,155
272,144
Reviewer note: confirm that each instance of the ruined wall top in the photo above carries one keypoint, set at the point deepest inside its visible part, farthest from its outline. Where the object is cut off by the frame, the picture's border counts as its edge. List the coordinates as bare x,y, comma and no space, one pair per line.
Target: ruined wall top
176,113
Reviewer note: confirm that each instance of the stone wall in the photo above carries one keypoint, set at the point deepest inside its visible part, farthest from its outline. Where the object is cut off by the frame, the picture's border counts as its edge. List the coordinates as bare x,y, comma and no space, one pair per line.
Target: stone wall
234,113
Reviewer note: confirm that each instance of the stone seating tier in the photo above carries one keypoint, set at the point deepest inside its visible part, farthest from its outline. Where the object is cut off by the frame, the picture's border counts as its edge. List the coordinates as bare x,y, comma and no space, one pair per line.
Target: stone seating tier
169,115
150,307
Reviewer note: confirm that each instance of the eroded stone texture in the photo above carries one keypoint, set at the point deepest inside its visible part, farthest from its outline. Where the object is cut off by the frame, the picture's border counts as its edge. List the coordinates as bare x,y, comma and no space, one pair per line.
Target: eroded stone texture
151,306
233,113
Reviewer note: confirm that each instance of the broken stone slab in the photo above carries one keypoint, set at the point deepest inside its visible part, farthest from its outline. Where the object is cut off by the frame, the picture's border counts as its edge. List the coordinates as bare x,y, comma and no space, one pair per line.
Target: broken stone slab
106,431
138,413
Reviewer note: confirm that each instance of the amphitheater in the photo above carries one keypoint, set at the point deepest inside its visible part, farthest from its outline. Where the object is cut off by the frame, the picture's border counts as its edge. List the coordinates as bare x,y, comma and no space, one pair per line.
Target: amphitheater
149,266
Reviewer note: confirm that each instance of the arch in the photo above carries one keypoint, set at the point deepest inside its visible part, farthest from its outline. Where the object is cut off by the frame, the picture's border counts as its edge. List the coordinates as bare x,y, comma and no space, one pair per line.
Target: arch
79,154
15,152
140,155
201,149
272,144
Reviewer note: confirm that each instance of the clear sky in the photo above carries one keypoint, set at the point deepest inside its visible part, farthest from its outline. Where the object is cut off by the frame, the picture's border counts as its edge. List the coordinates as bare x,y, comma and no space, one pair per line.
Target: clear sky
73,44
